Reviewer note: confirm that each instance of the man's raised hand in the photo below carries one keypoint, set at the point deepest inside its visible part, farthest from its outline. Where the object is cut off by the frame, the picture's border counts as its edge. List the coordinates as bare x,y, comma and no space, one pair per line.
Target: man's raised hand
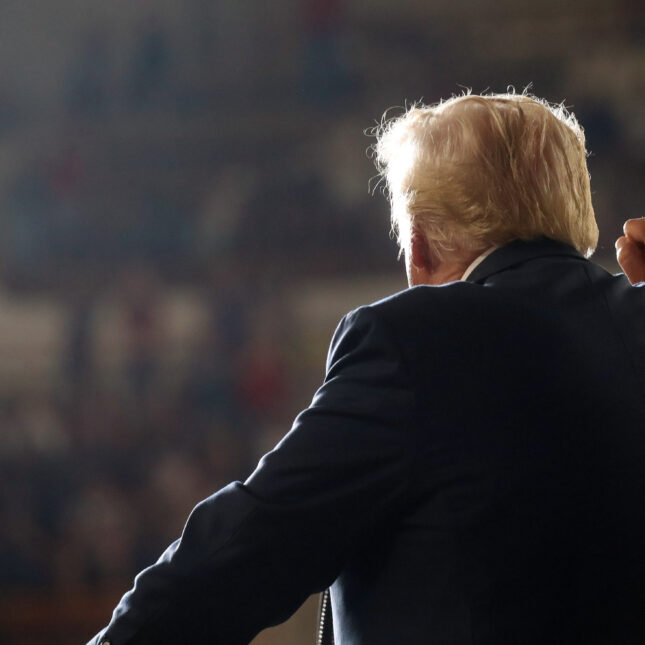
630,250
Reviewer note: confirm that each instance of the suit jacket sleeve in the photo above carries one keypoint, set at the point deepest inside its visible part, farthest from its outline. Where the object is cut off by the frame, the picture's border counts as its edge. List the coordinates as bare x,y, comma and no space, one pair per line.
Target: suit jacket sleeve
251,553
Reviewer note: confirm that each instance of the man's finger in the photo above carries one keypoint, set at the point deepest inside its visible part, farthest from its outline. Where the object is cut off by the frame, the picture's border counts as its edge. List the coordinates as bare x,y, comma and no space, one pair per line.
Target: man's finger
635,229
620,242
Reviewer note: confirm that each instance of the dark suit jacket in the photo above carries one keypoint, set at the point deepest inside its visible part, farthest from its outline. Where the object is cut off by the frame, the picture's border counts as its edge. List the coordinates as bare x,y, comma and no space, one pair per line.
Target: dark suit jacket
471,472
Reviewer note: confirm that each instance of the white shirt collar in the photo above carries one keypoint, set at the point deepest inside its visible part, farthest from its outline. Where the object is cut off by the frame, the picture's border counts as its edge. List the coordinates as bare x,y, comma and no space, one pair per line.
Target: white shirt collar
477,261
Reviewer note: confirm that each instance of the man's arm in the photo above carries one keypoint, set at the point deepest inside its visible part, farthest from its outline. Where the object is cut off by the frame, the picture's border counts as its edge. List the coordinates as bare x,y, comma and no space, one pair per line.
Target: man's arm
252,553
630,250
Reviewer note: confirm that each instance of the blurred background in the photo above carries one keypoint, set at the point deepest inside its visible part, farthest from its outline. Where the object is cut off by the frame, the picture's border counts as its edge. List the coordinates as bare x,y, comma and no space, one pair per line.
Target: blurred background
184,217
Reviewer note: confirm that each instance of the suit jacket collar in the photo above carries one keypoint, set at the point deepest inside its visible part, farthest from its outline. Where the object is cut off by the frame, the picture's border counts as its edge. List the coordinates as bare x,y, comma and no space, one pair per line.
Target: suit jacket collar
518,252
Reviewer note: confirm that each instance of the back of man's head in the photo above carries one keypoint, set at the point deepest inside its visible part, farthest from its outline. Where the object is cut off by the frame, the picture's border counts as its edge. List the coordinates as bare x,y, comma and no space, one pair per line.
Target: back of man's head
477,171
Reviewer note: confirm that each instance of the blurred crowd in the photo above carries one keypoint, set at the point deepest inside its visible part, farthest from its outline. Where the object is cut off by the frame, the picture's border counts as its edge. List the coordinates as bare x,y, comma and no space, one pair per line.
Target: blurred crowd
97,475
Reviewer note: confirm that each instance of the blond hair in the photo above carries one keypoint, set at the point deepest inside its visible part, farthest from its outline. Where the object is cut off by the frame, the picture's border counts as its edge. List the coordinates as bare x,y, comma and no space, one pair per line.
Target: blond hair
476,171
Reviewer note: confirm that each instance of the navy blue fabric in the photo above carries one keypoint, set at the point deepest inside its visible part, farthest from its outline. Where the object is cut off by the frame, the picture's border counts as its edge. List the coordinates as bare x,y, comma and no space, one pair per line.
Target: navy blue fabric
471,472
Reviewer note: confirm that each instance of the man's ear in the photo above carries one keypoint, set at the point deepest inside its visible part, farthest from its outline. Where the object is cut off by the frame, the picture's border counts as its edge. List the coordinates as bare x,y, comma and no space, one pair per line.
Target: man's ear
420,254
